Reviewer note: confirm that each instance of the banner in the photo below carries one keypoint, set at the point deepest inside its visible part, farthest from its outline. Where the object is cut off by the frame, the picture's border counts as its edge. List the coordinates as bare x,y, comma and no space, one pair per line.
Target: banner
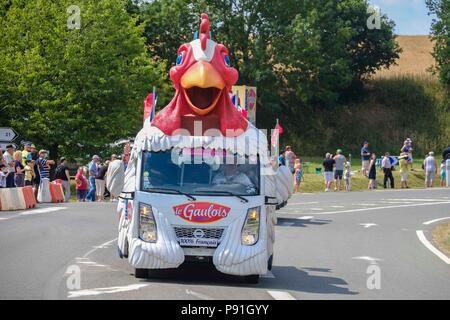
247,97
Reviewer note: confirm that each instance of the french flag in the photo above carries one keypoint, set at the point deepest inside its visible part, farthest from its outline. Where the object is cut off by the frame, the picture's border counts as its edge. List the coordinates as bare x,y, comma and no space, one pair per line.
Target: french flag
150,106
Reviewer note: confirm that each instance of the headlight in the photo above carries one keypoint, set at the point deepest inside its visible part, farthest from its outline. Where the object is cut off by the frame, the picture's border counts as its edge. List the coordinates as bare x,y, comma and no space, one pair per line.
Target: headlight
250,231
147,223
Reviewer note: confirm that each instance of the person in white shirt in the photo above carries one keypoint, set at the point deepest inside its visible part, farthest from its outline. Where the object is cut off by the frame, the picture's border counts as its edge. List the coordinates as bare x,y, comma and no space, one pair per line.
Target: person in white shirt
430,167
230,175
8,160
386,165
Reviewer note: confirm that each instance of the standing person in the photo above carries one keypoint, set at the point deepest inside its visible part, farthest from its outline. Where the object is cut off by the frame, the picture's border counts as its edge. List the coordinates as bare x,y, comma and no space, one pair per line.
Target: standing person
100,181
19,170
37,176
282,159
365,158
430,167
26,153
290,157
81,183
3,173
404,170
298,174
93,171
348,176
29,172
443,171
387,166
8,159
328,164
62,173
372,171
339,160
407,148
44,174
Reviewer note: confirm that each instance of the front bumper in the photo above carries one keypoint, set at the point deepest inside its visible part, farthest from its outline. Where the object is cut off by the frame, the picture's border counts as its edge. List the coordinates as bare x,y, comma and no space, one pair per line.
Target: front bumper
230,257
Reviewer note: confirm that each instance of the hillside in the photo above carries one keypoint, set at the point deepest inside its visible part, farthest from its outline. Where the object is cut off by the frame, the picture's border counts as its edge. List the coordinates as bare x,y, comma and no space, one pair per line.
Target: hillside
415,59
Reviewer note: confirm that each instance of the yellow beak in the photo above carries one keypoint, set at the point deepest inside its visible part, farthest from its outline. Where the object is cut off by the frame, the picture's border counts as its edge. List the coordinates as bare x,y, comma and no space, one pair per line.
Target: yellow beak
203,75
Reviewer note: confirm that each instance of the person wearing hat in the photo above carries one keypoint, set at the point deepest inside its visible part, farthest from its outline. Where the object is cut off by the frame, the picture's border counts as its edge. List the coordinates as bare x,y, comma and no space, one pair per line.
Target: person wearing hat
62,173
8,160
93,172
339,162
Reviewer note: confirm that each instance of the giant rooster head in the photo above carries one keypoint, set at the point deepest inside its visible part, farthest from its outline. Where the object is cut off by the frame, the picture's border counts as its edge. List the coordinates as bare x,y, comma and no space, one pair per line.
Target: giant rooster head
202,78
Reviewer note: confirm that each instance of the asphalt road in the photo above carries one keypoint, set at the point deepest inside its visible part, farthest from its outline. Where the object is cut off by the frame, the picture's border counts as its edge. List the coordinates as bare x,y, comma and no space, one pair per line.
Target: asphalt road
359,245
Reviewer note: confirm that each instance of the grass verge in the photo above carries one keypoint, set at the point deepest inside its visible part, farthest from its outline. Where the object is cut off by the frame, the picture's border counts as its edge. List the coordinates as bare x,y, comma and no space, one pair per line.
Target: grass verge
441,236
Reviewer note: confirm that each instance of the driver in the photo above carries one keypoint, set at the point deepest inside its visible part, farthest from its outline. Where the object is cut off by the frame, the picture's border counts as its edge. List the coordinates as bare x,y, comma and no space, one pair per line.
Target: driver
230,175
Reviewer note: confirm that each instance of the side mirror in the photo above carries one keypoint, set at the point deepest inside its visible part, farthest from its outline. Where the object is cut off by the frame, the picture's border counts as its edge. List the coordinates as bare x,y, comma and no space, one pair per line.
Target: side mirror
115,178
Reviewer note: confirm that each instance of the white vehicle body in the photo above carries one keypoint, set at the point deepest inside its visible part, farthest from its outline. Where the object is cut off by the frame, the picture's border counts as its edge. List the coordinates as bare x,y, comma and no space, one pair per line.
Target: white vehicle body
179,236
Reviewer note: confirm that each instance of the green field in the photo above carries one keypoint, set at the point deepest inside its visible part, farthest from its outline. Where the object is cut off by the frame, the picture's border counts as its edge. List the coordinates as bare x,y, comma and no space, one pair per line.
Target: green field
315,183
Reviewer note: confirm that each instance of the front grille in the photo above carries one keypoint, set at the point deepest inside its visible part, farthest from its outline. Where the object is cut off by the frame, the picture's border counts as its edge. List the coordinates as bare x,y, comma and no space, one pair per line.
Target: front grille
210,233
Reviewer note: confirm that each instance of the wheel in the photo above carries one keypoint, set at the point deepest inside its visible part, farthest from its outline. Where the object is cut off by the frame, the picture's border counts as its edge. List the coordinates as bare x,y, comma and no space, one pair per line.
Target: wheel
252,279
141,273
269,263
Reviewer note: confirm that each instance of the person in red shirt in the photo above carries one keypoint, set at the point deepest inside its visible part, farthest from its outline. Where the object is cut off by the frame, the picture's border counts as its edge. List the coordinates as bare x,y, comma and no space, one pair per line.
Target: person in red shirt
81,185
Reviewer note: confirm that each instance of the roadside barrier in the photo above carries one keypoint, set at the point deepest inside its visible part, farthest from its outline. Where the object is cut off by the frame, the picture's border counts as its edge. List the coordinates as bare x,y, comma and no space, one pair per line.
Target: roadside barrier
56,192
12,199
30,200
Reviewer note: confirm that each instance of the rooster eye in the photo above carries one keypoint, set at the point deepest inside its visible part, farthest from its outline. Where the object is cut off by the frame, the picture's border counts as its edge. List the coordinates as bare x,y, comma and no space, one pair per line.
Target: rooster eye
227,60
180,59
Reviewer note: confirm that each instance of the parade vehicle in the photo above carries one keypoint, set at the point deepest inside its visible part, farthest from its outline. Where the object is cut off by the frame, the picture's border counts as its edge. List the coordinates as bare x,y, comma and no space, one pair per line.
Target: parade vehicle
200,185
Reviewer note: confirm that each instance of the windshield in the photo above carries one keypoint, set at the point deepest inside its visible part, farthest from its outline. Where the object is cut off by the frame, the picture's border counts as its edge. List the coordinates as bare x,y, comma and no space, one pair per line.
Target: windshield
196,173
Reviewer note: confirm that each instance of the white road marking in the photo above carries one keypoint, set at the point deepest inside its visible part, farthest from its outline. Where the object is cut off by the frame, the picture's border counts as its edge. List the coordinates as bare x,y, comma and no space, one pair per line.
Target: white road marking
95,248
98,291
416,200
364,204
281,295
386,207
312,202
305,218
430,247
198,295
92,263
316,209
42,210
436,220
268,275
337,206
367,258
368,225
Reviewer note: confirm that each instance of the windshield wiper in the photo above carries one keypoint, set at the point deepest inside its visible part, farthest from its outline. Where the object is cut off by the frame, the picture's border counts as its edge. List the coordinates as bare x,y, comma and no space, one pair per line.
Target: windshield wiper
173,191
224,192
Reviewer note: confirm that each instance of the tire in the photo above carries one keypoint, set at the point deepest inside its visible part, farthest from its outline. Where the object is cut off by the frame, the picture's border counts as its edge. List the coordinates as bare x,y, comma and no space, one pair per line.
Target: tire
252,279
269,263
141,273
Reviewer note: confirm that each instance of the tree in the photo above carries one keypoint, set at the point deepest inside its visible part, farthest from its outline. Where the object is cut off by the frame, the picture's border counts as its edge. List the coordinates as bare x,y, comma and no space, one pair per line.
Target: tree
73,91
299,53
327,49
440,30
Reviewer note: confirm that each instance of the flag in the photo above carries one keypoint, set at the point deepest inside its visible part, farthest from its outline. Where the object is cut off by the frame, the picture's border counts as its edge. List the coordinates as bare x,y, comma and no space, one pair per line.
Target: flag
150,106
276,134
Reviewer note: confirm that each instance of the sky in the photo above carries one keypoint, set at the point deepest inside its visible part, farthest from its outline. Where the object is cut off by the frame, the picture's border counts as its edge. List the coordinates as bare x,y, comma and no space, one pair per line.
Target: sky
410,16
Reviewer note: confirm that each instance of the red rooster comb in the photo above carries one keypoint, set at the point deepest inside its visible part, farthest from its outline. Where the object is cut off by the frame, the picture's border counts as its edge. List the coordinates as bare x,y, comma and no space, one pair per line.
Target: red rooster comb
204,30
